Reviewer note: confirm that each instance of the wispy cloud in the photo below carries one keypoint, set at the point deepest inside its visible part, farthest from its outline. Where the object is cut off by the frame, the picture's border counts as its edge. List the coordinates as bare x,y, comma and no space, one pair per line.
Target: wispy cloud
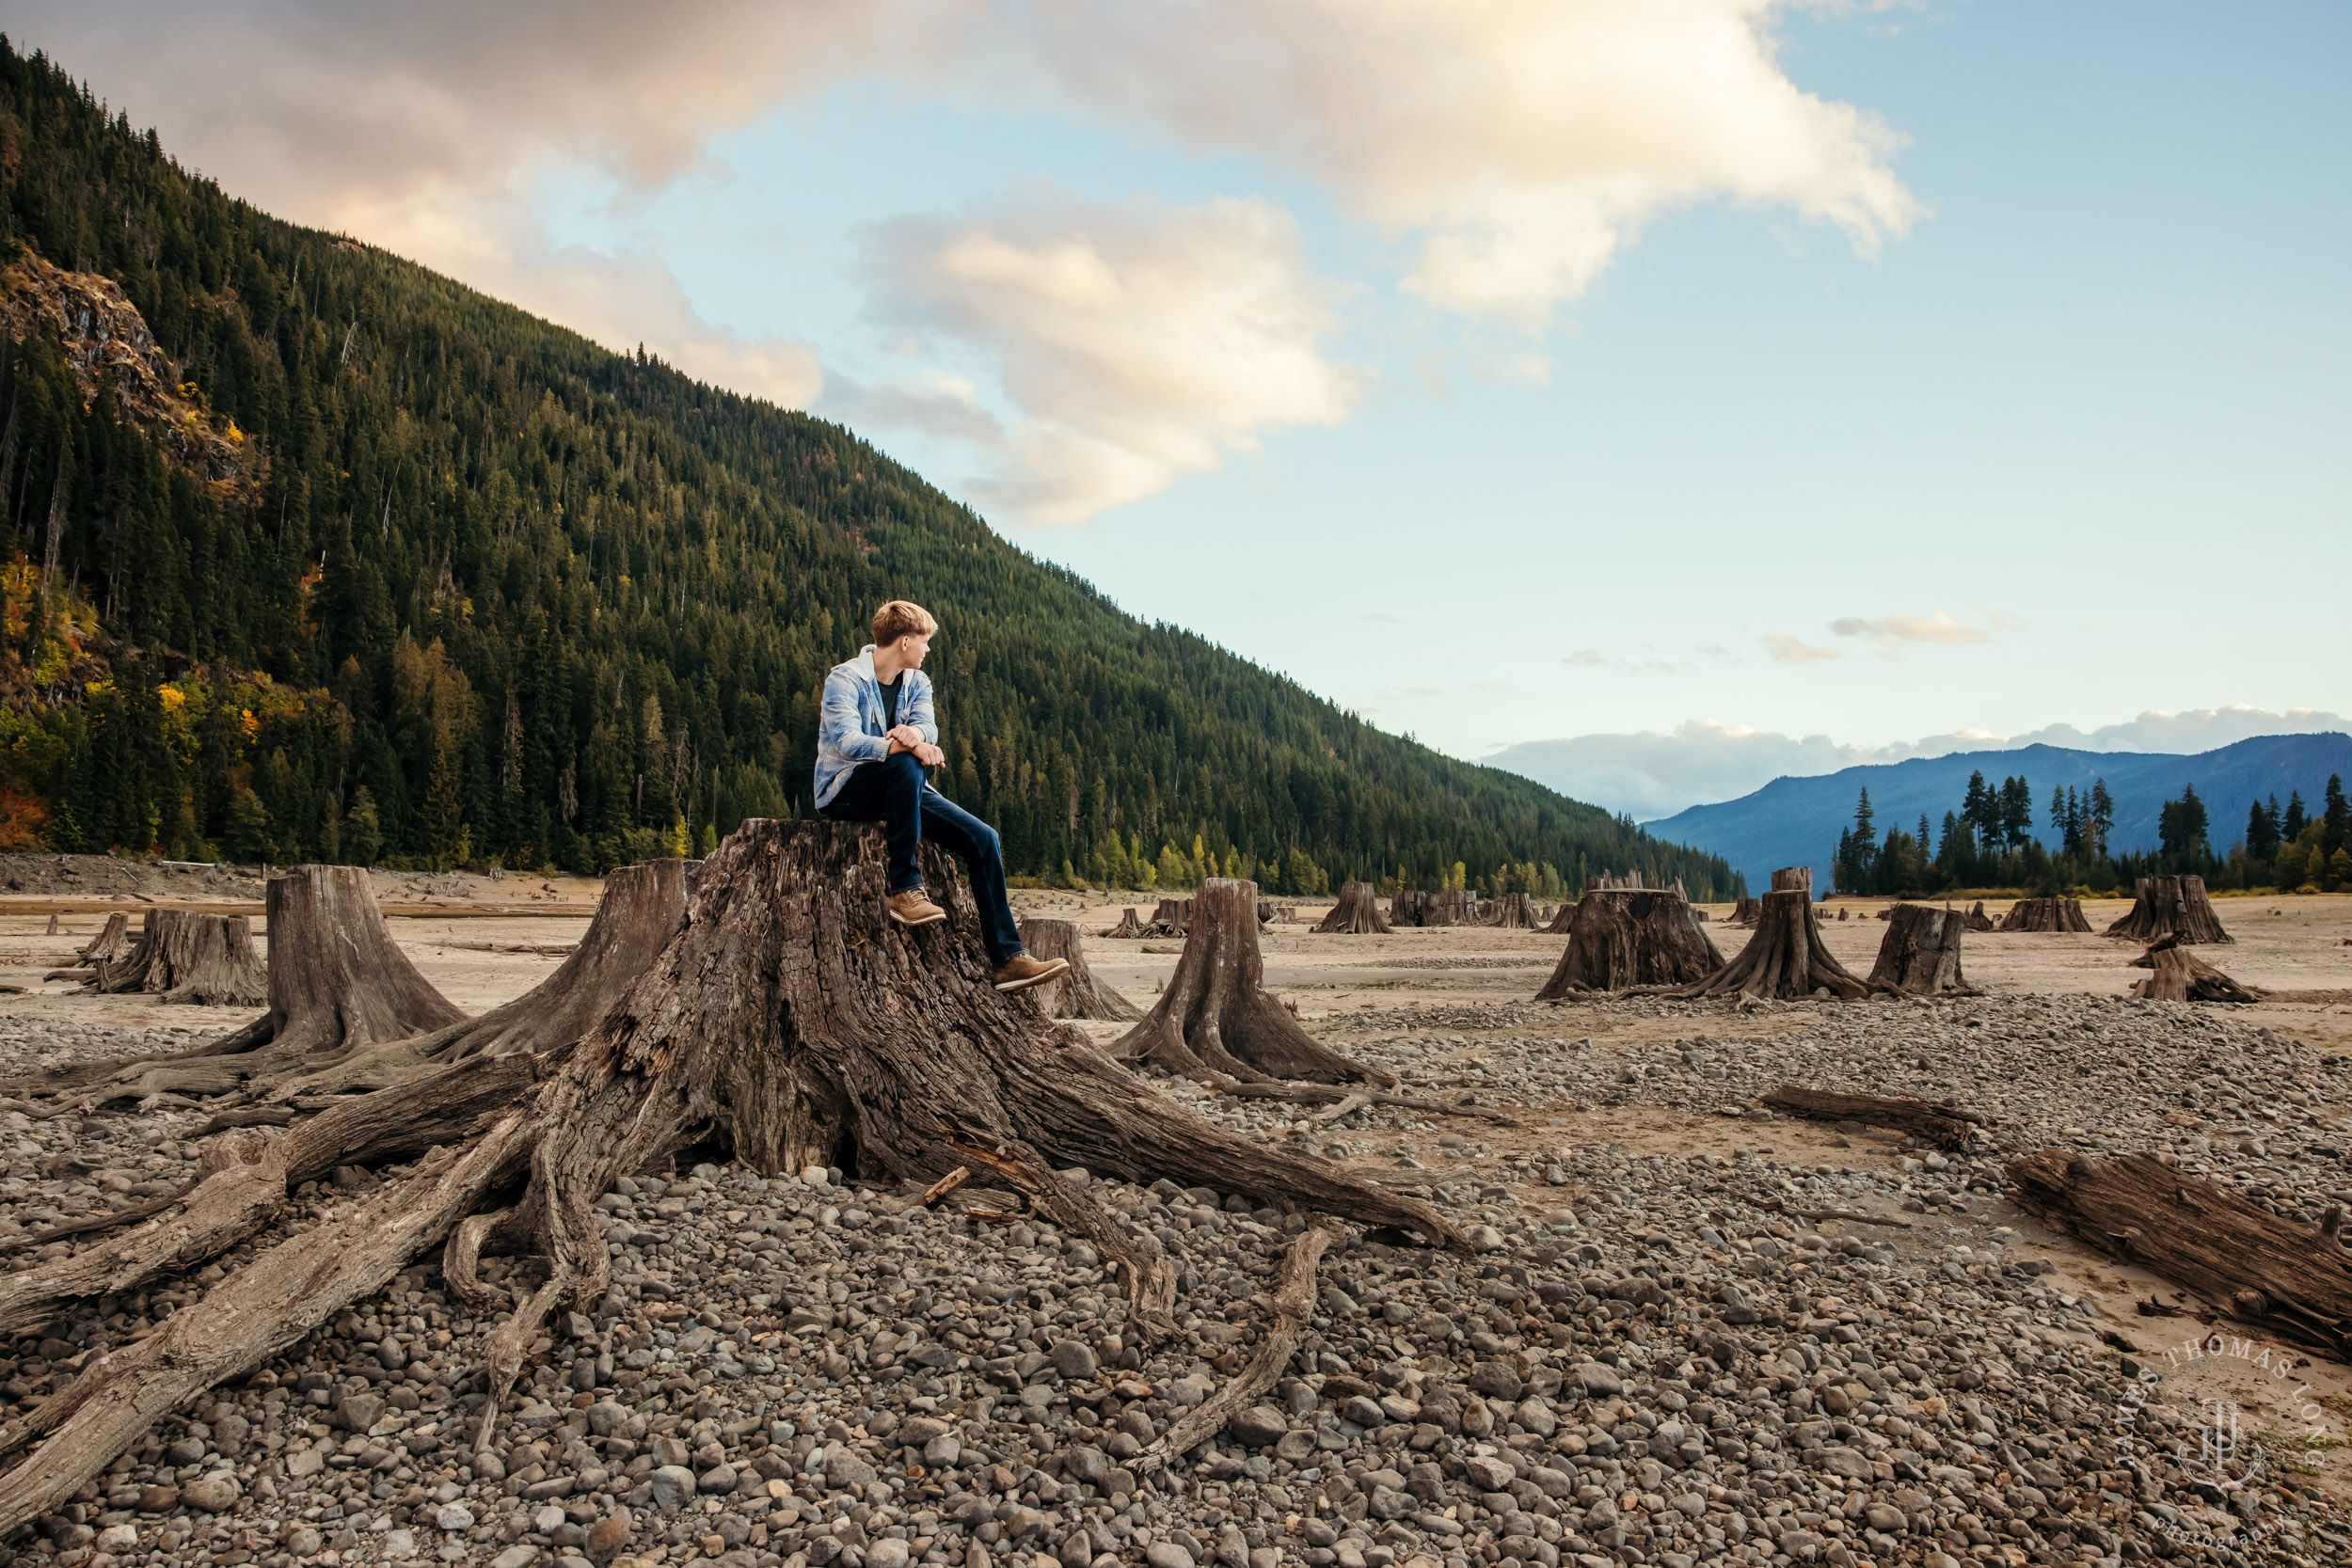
1586,656
1891,632
1790,650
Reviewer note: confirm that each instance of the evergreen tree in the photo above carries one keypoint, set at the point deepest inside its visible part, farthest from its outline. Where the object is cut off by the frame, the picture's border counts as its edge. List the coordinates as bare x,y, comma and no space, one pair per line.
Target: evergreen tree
2291,826
2262,830
2335,816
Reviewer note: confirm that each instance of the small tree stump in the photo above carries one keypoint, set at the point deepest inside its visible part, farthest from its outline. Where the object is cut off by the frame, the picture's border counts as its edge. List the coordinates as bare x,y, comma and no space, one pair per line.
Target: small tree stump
53,924
1747,912
1356,915
2170,906
1513,911
112,941
2045,915
1619,939
1128,928
1786,958
1919,954
207,959
1077,993
1977,920
1215,1023
1945,1125
2288,1280
1409,907
1172,918
2181,977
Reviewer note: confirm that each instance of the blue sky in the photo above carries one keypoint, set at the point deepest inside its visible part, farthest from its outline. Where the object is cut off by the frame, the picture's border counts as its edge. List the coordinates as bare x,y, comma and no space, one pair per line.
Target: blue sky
1951,370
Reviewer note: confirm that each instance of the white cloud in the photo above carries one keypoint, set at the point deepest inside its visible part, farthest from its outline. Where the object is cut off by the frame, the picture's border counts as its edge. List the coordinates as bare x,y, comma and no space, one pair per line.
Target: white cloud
1789,650
1890,631
1586,656
1138,342
1653,775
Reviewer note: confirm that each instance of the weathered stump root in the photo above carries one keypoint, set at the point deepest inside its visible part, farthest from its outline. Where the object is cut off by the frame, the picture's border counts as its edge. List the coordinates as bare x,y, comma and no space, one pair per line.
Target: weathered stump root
1945,1126
1620,938
1919,954
2180,975
2170,906
788,1019
2288,1280
1356,915
1077,994
1214,1023
1786,958
1293,1305
1128,928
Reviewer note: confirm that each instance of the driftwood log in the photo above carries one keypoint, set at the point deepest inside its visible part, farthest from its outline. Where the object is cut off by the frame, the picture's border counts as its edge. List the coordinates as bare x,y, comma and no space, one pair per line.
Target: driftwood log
2180,975
1787,957
2170,906
182,956
2045,915
1619,939
1944,1125
788,1022
1747,912
1077,994
1512,911
1977,920
1129,926
1921,952
1356,913
1215,1023
2287,1281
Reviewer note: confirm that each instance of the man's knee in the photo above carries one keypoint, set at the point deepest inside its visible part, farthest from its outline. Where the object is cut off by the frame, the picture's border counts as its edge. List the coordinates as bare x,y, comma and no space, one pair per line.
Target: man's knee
901,770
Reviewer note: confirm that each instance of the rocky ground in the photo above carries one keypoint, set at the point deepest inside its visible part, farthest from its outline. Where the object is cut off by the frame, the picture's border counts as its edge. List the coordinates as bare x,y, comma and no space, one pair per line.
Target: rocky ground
1690,1332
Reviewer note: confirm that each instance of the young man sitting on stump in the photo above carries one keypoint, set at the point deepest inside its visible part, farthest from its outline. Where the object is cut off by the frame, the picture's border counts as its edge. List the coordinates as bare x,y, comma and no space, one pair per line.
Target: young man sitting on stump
874,735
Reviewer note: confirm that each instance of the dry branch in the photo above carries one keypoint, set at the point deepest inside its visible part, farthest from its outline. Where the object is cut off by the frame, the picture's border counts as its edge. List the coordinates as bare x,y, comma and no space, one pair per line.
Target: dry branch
2286,1279
1293,1305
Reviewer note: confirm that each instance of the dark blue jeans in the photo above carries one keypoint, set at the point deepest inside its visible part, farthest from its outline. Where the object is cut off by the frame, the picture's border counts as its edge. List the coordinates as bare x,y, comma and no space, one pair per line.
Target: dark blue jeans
894,793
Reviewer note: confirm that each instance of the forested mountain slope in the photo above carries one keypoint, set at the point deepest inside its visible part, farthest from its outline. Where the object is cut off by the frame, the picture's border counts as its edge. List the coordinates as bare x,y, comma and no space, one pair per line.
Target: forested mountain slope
348,561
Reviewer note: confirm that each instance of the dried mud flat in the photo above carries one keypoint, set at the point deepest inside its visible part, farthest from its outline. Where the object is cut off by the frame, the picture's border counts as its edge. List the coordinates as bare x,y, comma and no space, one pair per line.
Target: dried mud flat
1655,1355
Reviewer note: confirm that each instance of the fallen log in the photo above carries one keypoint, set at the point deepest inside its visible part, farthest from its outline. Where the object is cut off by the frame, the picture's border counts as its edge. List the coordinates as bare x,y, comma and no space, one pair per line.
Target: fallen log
2045,915
2182,976
1077,994
1214,1023
1356,913
2285,1280
1919,954
1618,939
1945,1125
2170,906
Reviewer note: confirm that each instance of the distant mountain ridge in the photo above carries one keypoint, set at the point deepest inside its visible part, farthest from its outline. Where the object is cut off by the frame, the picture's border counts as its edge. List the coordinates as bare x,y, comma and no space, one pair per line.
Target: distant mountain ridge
1794,822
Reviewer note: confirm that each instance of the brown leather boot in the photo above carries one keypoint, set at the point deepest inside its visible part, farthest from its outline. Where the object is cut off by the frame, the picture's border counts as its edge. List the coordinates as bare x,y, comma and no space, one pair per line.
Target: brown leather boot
1024,971
912,908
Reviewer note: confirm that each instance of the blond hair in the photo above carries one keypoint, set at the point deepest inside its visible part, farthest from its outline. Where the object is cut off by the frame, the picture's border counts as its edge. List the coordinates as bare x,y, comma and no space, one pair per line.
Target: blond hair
899,617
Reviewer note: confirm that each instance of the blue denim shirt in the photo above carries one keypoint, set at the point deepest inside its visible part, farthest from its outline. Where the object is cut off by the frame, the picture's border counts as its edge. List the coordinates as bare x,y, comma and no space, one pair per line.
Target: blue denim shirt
851,728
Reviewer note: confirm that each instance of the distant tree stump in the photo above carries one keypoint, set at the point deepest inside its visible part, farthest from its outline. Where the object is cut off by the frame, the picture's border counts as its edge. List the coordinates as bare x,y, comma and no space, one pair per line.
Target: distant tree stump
1747,912
112,941
1977,920
1215,1023
1512,911
1620,938
1449,907
1356,913
1077,994
1921,952
1409,907
2181,977
54,927
2170,906
1128,928
2045,915
183,956
1842,911
2291,1281
1172,918
1786,958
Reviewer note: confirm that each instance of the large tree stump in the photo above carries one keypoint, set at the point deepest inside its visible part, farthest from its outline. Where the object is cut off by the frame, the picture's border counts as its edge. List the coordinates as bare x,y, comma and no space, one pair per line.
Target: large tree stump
1215,1023
2182,976
1619,939
1943,1124
1747,912
2045,915
789,1022
1356,913
1512,911
1977,920
1786,958
2287,1281
183,956
1409,907
1077,994
1452,906
1128,928
1921,952
2170,906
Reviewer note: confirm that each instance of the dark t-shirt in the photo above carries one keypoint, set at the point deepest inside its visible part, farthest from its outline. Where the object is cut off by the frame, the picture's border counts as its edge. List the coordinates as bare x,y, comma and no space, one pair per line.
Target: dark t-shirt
890,703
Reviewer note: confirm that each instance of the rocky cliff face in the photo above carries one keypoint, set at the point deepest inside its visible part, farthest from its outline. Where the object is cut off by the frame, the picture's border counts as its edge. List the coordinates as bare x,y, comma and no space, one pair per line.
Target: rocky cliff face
106,339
